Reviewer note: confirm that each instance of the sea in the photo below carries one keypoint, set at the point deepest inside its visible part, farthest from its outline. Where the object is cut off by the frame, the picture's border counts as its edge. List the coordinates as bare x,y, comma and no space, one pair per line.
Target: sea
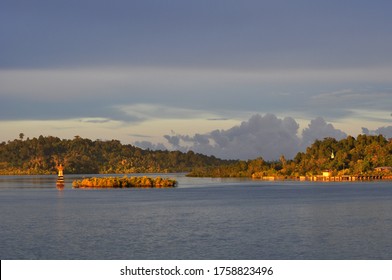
201,219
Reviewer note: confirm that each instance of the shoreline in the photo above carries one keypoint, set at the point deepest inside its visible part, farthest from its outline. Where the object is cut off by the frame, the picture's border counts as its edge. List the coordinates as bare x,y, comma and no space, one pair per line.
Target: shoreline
342,178
321,178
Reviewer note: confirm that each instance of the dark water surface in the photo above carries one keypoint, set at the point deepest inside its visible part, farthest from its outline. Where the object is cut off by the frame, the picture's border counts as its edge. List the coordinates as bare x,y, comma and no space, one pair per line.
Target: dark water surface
202,219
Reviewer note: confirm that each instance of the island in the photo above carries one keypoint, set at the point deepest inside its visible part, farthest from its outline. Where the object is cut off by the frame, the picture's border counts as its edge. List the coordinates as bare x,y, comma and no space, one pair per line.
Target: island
124,182
366,157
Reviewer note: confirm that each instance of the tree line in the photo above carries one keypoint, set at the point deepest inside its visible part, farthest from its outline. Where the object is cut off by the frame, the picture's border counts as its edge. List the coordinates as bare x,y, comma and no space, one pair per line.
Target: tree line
83,156
350,156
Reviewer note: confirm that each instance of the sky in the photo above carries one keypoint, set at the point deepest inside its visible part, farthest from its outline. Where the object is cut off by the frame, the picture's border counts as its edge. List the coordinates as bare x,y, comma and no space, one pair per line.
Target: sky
235,79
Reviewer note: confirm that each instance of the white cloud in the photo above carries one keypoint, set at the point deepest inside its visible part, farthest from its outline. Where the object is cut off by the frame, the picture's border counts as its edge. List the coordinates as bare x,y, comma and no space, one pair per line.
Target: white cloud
95,120
157,111
320,129
267,136
92,81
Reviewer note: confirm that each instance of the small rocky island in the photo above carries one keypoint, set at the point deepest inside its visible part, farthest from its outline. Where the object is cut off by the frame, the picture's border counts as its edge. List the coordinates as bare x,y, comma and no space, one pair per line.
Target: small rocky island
124,182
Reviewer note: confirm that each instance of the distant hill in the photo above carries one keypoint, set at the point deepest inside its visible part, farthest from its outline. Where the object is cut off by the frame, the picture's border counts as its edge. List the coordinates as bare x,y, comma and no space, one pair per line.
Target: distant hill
83,156
364,155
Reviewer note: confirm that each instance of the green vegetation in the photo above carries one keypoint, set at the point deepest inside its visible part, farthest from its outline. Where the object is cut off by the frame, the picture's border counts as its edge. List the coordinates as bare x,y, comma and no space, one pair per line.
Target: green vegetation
125,182
83,156
351,156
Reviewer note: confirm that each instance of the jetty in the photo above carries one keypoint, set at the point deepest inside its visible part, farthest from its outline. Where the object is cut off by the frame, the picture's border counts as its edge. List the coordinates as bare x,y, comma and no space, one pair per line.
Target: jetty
329,178
348,178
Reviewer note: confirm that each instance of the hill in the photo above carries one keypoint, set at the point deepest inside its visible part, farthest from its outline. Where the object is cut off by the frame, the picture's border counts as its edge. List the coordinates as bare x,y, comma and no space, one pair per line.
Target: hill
83,156
364,155
355,156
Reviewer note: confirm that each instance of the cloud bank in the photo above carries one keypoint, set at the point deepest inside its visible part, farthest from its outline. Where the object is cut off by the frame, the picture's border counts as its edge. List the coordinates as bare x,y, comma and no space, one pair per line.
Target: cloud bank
262,135
385,130
133,70
320,129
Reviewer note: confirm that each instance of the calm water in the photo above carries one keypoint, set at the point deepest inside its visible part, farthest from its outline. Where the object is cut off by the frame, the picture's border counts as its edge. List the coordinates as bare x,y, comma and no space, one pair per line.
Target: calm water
202,219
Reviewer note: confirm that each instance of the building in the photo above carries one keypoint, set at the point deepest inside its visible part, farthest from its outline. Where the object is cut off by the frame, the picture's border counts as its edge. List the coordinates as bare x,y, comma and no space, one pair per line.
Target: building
383,169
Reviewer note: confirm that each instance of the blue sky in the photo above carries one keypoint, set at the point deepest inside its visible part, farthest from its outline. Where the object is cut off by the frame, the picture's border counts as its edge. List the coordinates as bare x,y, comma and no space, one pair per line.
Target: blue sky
148,71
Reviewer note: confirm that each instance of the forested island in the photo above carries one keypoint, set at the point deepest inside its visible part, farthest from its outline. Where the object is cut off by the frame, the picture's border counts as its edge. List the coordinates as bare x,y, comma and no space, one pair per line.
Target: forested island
364,155
80,155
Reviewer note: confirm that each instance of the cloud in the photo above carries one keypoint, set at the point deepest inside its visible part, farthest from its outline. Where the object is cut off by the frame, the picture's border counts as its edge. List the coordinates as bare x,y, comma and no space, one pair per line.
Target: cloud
134,94
140,135
173,140
319,129
385,130
361,96
136,62
145,111
361,102
267,136
217,119
223,33
150,146
95,120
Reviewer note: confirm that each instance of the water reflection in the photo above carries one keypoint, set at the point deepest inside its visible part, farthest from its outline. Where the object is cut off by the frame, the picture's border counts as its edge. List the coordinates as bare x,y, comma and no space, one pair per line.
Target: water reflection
28,181
60,184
